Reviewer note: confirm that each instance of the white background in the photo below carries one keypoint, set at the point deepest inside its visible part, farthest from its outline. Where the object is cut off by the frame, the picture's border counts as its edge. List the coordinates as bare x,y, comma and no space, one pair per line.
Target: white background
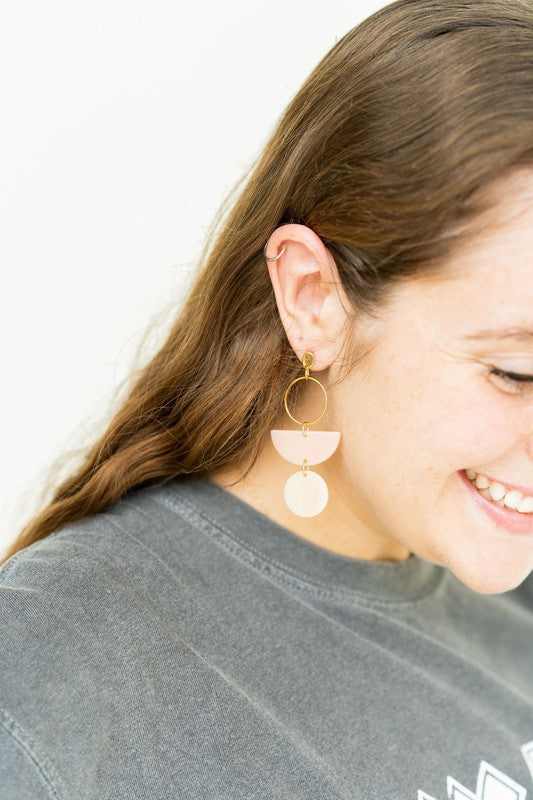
124,125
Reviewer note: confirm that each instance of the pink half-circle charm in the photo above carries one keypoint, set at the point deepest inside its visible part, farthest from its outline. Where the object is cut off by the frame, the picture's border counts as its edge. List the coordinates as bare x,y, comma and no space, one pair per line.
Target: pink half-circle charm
316,447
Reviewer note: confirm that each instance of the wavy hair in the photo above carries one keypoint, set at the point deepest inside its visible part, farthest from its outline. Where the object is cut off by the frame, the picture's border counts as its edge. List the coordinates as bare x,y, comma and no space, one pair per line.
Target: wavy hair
385,152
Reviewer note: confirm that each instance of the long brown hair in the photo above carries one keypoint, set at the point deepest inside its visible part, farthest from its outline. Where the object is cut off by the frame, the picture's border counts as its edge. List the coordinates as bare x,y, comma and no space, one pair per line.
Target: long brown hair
385,152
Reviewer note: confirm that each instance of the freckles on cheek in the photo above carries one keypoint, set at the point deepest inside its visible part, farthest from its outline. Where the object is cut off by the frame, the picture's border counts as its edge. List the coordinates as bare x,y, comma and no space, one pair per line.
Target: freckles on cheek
478,429
444,427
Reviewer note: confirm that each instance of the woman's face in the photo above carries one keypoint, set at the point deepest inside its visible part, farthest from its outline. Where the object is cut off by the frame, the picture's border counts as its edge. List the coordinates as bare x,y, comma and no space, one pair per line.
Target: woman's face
425,408
422,406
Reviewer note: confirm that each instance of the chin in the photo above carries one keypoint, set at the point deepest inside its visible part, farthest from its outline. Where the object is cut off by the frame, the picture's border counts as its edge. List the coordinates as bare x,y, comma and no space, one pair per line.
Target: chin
492,579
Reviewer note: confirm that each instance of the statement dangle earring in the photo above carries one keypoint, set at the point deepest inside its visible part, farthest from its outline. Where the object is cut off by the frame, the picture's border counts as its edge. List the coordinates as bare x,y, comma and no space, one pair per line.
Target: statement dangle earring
306,492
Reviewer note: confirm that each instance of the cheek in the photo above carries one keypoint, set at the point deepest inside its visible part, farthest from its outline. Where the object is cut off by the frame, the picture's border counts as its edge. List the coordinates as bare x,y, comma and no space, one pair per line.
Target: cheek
420,421
464,423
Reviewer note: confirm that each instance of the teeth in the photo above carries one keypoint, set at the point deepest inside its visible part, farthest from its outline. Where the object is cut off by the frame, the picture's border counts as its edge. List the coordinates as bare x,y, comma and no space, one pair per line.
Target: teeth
525,506
481,482
498,493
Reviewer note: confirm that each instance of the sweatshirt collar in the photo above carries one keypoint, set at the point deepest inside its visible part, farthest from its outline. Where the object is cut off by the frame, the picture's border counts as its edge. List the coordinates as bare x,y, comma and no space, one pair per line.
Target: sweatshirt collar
309,564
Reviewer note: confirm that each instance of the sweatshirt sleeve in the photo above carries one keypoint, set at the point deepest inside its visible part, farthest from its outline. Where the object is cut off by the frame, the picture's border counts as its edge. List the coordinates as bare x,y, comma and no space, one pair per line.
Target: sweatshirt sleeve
24,775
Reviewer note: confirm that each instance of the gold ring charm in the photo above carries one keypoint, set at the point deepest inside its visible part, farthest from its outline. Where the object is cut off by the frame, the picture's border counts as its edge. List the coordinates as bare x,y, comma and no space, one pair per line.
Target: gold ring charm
305,492
305,378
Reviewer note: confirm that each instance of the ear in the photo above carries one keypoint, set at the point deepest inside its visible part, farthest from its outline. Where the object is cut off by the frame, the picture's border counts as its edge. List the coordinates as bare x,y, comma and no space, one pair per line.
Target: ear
311,302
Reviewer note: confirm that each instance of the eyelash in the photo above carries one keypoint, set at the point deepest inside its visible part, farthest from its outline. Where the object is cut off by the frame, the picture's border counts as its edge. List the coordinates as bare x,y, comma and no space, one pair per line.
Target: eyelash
520,382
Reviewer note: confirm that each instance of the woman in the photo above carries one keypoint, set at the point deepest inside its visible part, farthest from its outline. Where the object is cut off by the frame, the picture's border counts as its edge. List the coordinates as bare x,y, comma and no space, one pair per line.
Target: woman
256,586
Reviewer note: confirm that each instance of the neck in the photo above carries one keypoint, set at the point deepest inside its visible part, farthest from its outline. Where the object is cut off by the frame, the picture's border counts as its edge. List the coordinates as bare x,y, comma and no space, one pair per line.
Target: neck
346,526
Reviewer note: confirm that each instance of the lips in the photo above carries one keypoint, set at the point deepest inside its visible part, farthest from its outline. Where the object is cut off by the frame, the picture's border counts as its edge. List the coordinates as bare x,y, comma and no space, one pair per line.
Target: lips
506,518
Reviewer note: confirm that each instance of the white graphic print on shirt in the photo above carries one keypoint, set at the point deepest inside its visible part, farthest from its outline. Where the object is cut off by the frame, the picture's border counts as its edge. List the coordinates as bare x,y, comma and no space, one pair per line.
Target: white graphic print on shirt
491,783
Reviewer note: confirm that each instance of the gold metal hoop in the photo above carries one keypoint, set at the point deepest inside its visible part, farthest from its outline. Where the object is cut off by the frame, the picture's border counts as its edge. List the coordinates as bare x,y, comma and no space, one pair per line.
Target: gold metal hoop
305,378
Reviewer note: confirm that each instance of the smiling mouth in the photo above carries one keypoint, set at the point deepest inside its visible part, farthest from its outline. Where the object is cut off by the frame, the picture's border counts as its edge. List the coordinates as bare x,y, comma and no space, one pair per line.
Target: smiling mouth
499,494
508,519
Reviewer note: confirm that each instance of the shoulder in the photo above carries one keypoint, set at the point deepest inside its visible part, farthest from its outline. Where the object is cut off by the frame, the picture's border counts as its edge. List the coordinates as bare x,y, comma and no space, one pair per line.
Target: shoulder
88,615
52,623
79,593
66,569
69,600
60,599
82,556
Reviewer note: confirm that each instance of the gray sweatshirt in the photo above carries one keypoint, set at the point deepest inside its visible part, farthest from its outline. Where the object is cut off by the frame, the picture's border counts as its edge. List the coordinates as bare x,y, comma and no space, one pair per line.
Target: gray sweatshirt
183,645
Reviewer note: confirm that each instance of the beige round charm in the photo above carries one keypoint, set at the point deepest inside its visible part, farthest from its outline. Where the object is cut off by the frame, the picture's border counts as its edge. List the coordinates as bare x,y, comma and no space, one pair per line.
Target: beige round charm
306,493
